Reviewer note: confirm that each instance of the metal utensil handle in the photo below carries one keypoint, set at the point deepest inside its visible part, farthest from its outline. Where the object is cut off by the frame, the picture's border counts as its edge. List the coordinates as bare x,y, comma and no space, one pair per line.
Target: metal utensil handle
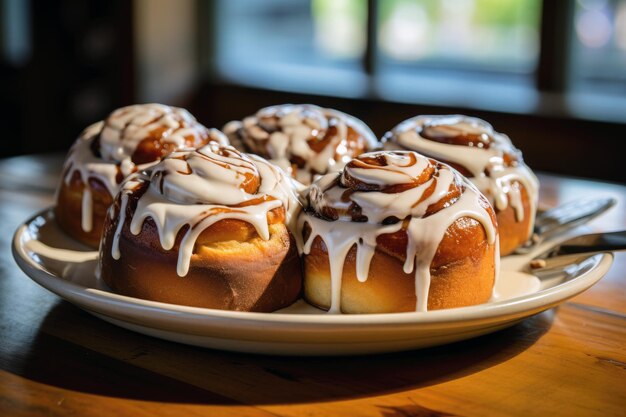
597,242
571,214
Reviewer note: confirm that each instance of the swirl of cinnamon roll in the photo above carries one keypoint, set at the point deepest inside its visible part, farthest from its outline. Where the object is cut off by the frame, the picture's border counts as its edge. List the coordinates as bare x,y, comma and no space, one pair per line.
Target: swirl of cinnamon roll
390,216
304,140
130,139
208,228
487,158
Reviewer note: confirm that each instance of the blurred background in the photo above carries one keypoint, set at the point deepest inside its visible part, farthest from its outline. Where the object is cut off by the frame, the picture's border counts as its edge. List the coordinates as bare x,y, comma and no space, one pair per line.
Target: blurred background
551,74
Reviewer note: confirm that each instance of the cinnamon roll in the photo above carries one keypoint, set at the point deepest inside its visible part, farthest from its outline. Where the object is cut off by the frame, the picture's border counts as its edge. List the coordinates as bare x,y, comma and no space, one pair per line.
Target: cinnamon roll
207,228
396,231
304,140
487,158
130,139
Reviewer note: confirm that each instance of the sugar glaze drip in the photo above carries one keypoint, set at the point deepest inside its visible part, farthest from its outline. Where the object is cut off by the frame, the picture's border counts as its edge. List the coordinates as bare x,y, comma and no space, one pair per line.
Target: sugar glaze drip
487,158
376,199
200,188
105,149
314,136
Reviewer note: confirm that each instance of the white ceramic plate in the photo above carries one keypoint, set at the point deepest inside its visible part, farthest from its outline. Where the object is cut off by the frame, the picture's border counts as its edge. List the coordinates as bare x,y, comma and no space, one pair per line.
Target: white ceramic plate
64,267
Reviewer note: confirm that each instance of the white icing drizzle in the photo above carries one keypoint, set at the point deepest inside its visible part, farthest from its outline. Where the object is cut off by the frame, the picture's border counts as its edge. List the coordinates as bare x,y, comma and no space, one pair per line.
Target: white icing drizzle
408,206
200,188
126,127
86,207
81,159
486,164
283,132
119,136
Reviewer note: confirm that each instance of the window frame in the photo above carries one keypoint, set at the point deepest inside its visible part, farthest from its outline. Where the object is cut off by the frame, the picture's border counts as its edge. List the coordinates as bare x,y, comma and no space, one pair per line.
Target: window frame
545,92
557,131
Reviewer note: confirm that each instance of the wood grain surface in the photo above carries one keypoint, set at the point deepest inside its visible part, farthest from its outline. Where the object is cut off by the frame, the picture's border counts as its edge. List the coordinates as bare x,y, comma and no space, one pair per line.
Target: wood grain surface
57,360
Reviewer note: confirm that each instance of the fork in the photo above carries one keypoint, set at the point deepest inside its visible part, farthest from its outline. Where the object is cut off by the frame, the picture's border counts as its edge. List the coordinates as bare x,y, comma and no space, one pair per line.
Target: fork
572,252
565,217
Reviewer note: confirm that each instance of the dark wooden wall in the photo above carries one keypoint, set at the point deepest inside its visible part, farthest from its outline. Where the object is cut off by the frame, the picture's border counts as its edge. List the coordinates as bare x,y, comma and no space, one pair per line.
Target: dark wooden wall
80,67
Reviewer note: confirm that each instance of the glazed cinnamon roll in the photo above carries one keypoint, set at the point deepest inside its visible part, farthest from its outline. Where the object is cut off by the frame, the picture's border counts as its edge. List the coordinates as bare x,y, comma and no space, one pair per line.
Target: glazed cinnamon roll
395,231
487,158
206,228
304,140
132,138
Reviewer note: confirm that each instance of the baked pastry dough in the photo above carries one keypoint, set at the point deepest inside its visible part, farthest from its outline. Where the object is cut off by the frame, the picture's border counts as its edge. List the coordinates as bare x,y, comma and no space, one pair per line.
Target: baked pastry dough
130,139
304,140
205,228
395,231
487,158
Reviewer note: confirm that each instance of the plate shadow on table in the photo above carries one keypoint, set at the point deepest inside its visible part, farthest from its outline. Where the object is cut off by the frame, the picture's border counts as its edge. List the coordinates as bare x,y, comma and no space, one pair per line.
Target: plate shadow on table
76,351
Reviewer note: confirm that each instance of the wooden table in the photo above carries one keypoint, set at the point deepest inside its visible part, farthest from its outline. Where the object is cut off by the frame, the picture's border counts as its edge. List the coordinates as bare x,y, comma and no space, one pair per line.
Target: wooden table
58,360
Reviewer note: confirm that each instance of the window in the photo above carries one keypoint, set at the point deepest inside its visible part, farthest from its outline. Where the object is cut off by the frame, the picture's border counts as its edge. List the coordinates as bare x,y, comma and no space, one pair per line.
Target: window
598,61
489,35
307,46
475,54
599,50
469,53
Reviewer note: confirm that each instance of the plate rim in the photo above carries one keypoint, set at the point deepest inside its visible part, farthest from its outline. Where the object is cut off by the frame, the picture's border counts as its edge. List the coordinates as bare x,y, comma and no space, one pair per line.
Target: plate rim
99,301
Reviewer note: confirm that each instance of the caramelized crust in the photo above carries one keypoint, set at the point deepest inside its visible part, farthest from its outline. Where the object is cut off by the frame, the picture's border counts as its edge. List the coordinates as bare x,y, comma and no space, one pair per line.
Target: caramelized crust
68,211
156,147
231,268
410,207
305,140
210,233
514,233
485,156
462,273
128,140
